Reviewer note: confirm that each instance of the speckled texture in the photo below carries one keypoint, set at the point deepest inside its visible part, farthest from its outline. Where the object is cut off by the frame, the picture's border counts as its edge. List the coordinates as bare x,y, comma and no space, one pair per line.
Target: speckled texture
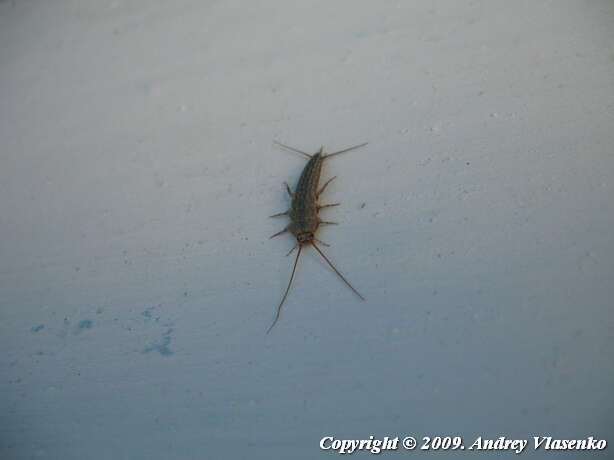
304,210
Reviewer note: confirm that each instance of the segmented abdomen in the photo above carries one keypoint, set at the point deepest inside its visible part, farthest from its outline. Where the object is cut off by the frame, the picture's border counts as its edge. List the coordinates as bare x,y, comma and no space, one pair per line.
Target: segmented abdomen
304,212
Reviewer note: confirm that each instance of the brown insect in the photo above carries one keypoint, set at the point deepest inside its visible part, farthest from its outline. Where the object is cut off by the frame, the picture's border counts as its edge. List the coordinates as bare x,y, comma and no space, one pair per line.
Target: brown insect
303,212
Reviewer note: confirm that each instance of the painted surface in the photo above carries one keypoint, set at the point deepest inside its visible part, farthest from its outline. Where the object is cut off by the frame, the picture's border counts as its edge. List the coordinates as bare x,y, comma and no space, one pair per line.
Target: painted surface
137,173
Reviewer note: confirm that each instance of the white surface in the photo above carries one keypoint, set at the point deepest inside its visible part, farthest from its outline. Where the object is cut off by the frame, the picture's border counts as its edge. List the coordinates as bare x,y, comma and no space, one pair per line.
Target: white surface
138,171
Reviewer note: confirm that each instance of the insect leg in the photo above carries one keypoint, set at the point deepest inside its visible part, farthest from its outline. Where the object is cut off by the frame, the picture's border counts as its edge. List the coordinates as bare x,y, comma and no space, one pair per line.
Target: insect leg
326,206
346,150
292,250
285,213
289,190
322,242
292,148
337,272
326,222
287,289
279,233
324,186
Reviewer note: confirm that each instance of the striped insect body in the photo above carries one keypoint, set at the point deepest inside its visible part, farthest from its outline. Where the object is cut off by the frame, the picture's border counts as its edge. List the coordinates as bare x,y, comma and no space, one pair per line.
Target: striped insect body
304,213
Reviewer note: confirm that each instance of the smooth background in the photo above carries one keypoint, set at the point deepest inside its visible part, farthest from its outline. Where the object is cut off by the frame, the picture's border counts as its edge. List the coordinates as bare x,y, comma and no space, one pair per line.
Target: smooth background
137,172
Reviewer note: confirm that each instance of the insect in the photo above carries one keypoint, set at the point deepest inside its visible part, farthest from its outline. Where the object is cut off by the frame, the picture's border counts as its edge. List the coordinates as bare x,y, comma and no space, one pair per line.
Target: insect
303,212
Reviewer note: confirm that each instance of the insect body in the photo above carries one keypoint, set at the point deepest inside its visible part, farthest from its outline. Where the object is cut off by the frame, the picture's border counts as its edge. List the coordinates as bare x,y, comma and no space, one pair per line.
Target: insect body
303,212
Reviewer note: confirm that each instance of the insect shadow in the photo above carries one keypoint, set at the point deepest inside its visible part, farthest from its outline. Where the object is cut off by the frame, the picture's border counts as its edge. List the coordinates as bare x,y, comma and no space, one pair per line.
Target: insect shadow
304,212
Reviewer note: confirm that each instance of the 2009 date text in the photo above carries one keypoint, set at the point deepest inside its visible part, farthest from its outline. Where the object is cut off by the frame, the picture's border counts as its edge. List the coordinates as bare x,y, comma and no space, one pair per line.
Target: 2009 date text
442,443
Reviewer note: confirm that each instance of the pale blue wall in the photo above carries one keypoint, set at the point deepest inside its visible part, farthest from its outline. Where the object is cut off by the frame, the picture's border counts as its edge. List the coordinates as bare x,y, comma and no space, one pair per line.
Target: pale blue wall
137,279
